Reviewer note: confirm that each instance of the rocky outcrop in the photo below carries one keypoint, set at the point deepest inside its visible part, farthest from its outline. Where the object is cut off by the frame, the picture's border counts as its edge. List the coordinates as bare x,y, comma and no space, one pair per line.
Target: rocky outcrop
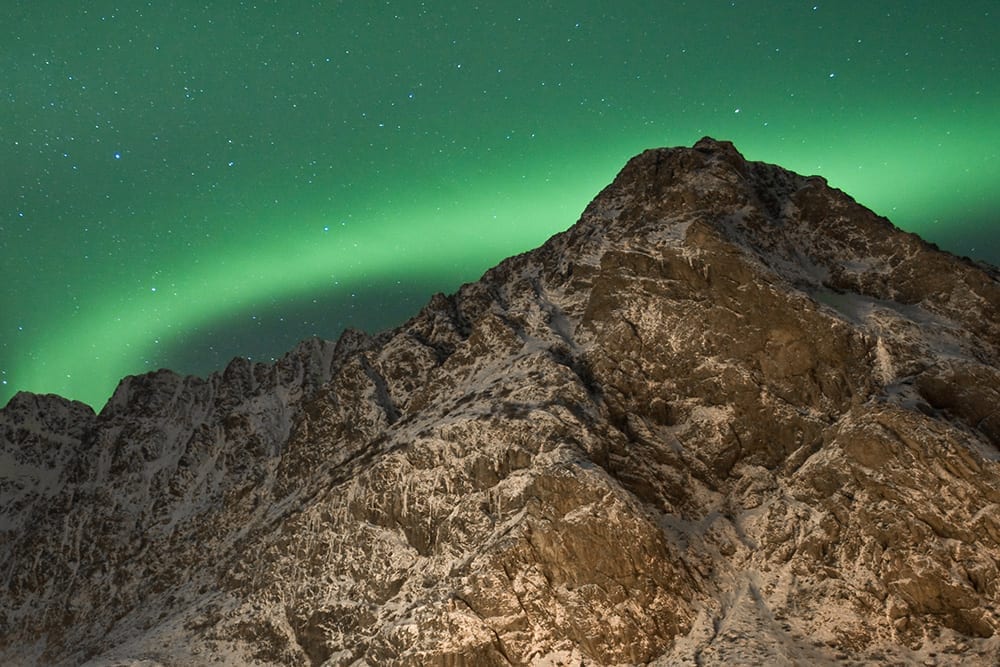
730,416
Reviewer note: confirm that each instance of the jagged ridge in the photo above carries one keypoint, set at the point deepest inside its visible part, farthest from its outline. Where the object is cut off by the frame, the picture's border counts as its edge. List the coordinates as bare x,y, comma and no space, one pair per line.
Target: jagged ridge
729,416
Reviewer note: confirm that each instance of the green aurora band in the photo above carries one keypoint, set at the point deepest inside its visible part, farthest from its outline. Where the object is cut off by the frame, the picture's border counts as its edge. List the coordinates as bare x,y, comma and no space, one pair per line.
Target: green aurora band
137,218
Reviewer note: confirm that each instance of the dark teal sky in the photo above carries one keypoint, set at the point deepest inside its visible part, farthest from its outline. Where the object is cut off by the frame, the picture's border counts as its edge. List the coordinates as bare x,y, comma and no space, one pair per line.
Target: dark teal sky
183,182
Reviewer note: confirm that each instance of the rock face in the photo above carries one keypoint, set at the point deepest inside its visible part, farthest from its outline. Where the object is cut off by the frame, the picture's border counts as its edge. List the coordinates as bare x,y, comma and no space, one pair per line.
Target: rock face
730,416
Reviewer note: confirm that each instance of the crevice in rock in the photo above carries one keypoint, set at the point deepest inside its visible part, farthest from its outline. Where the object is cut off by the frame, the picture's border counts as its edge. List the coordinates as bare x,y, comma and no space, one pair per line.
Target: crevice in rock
382,396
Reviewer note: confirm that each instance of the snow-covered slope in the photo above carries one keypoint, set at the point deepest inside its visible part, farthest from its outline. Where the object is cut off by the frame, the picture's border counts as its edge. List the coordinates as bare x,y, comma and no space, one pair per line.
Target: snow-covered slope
729,417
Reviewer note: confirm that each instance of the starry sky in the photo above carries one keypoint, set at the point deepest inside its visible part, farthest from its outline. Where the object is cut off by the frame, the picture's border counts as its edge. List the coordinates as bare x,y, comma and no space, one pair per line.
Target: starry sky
185,182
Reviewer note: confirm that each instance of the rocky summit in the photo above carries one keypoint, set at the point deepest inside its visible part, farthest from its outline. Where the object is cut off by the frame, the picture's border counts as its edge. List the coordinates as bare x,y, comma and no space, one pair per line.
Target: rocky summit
729,417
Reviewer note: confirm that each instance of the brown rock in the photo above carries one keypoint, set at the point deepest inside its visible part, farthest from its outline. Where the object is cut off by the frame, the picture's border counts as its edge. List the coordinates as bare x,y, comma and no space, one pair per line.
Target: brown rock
729,417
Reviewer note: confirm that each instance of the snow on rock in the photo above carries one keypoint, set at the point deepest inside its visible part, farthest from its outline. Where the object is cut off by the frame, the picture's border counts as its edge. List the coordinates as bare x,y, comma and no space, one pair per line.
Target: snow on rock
729,417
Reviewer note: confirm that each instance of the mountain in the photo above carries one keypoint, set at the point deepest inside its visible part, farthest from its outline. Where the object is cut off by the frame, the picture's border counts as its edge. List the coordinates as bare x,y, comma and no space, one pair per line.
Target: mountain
729,417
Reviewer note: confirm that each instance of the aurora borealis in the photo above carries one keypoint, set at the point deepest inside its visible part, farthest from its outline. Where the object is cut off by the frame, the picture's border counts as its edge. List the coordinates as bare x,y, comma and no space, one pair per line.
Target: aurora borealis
186,182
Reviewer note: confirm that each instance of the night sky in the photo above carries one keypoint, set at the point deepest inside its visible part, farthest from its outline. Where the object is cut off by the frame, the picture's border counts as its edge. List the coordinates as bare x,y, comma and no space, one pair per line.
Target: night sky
185,182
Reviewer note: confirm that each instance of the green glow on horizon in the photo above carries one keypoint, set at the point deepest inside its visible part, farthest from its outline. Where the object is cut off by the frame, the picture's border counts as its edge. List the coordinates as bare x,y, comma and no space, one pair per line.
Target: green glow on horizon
203,151
339,255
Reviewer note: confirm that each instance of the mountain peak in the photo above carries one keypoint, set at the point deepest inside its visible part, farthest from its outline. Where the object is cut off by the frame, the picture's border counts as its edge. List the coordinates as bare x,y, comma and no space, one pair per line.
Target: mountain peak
718,147
729,417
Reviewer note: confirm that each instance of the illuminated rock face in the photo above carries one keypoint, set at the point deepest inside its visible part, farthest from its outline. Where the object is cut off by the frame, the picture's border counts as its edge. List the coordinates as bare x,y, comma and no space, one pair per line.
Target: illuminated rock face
730,416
